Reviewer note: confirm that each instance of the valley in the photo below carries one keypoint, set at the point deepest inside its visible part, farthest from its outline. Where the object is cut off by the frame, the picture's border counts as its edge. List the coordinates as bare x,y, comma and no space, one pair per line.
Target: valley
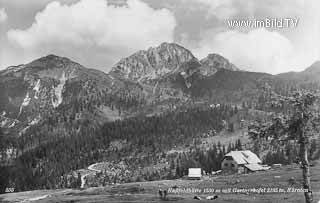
156,113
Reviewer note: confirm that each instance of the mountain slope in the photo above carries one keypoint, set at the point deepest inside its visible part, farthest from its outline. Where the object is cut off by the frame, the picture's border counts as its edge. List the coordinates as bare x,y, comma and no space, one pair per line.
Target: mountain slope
64,116
149,81
55,90
166,61
309,75
168,72
229,86
214,62
152,63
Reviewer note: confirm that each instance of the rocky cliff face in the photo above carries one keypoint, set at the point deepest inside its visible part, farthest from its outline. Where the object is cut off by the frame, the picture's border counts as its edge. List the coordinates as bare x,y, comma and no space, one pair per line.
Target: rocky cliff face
152,63
167,60
41,83
51,83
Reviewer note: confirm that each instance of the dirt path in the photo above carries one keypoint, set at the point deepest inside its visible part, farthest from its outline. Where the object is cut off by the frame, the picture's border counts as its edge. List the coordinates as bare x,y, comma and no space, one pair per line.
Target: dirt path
91,171
32,196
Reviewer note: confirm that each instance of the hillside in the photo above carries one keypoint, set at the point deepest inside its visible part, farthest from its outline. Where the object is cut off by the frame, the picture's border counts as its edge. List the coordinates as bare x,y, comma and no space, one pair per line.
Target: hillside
310,74
58,117
285,178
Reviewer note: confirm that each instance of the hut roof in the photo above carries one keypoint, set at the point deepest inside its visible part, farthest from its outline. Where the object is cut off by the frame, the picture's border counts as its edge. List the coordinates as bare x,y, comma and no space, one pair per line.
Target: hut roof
244,157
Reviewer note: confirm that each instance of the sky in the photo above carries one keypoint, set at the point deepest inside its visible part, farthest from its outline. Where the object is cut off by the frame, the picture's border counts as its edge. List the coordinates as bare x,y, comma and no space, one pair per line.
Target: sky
98,33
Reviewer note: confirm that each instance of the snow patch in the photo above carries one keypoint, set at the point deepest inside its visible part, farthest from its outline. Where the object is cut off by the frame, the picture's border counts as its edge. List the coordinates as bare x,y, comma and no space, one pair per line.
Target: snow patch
12,124
154,74
58,91
24,130
188,84
8,153
128,71
112,79
154,90
35,121
25,102
37,89
7,122
4,122
15,68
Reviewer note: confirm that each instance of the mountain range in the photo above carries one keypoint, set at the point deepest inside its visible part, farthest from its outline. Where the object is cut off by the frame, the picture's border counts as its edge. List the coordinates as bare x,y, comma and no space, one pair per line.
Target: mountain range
58,116
147,82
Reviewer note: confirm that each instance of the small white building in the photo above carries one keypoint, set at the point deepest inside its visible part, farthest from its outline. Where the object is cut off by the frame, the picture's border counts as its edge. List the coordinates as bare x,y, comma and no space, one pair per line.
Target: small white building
194,173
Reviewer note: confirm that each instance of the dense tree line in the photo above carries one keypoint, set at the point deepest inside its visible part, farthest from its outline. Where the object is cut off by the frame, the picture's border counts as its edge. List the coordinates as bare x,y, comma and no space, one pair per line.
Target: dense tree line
167,130
289,153
61,142
41,166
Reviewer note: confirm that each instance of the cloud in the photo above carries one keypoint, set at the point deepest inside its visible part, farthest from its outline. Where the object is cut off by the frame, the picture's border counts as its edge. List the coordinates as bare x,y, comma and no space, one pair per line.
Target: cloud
307,36
258,50
93,32
219,9
69,28
271,50
223,9
3,15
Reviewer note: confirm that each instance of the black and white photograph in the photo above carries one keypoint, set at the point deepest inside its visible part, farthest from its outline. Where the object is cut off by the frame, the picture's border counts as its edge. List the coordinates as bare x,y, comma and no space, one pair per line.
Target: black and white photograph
151,101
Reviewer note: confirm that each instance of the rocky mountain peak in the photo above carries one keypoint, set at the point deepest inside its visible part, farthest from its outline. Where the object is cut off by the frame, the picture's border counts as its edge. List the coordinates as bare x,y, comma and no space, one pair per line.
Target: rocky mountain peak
213,62
154,62
52,61
49,63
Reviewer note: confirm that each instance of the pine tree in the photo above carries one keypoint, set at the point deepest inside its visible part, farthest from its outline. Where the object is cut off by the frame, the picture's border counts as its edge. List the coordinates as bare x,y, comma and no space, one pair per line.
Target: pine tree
299,127
78,180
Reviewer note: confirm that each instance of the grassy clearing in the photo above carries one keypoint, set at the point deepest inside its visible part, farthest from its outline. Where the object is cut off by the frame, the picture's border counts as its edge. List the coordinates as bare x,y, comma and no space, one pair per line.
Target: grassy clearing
147,191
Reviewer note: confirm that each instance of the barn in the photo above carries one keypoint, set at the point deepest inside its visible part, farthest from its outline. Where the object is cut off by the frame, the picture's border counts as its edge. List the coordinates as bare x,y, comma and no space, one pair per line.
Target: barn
241,162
